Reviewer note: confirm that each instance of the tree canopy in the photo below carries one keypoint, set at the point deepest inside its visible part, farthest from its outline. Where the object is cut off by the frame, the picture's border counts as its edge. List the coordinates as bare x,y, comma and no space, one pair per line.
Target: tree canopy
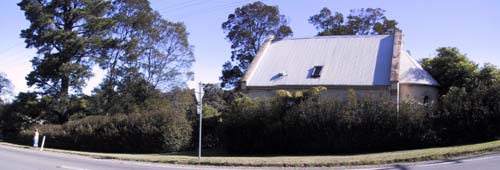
66,34
146,53
246,29
141,52
5,87
145,44
451,68
362,21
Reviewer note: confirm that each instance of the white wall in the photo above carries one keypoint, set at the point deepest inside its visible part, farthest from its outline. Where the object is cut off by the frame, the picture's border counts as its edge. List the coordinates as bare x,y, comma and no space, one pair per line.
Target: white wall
414,92
339,93
407,92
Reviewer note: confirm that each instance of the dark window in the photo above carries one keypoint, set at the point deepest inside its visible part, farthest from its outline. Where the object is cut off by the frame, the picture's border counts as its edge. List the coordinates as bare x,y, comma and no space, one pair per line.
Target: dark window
316,72
426,99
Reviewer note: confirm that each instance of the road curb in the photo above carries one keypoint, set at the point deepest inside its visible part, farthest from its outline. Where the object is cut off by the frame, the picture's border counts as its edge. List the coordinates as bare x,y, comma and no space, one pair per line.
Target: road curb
207,161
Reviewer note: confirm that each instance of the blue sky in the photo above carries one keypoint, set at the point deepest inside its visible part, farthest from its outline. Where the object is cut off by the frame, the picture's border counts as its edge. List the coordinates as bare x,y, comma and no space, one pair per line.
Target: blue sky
472,26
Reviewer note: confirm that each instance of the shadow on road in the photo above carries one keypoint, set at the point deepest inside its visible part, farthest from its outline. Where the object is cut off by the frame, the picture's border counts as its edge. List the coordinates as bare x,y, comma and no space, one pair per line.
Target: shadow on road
451,161
397,167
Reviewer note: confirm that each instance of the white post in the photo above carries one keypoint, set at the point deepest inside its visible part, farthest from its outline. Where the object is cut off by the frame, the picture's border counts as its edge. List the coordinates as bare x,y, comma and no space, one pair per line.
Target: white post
200,112
397,98
43,143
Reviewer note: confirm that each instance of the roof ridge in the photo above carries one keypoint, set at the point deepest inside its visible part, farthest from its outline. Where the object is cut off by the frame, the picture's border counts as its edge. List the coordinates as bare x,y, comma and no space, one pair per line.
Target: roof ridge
336,36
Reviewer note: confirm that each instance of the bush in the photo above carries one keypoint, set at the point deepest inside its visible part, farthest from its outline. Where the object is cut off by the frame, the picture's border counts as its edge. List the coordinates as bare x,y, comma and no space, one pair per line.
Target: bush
212,129
308,124
466,117
152,132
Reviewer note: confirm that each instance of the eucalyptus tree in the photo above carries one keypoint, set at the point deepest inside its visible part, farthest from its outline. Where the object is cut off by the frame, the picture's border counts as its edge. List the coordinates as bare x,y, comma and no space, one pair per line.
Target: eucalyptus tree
146,53
362,21
246,29
168,56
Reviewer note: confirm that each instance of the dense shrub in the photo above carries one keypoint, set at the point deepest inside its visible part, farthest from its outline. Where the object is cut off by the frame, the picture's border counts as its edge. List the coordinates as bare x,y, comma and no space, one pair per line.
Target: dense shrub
153,132
302,124
212,128
299,123
308,123
465,117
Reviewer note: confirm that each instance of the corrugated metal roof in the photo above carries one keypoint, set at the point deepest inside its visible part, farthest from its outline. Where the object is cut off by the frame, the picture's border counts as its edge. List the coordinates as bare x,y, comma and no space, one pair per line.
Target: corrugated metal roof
410,72
346,60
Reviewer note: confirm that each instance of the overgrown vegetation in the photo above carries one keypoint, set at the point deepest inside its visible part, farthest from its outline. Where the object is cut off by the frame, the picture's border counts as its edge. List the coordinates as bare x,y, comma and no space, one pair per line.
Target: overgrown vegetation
314,124
162,131
311,125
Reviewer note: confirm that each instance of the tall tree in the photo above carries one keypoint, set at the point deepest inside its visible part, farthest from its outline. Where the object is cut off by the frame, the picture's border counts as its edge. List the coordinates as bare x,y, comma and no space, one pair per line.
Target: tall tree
145,53
452,68
145,42
122,51
168,55
246,29
66,34
362,21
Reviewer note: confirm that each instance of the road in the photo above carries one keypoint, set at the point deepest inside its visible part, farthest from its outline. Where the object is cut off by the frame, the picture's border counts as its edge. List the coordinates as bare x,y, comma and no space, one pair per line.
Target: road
12,158
484,162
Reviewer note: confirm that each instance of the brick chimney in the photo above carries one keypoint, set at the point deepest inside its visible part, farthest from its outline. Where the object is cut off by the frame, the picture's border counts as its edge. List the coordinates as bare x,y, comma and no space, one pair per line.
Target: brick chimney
396,55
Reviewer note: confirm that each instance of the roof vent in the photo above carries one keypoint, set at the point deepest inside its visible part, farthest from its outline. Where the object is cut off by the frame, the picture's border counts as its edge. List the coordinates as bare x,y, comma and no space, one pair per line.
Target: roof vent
280,75
316,71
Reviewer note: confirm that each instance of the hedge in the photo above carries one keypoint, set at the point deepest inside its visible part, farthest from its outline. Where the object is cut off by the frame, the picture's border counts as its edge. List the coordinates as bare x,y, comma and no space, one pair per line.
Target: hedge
329,126
136,133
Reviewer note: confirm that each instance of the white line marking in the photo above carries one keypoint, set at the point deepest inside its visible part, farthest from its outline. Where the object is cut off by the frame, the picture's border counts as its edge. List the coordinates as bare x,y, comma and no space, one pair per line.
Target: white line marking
71,168
434,164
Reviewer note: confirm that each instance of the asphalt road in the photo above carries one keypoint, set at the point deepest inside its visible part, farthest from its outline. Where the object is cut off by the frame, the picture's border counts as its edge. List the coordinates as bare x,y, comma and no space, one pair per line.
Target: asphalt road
12,158
484,162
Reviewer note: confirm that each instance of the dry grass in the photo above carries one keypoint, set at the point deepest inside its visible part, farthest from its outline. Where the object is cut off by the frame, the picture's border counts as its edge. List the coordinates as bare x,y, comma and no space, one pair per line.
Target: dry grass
295,161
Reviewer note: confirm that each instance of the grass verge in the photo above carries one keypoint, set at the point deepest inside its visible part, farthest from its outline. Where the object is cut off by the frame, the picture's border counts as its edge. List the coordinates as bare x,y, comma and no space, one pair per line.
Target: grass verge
300,161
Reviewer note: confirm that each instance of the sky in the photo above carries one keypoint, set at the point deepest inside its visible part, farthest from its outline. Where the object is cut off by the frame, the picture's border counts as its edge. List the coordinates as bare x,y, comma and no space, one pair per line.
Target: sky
471,26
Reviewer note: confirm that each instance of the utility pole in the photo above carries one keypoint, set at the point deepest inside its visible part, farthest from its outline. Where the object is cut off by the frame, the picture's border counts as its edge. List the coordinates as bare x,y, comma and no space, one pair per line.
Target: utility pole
199,108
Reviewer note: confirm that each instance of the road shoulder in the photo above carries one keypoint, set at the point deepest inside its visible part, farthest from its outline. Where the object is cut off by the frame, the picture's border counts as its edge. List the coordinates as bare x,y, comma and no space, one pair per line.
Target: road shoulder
384,159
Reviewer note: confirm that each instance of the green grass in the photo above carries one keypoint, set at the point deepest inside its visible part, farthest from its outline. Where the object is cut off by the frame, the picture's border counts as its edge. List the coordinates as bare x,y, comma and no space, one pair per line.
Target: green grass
299,161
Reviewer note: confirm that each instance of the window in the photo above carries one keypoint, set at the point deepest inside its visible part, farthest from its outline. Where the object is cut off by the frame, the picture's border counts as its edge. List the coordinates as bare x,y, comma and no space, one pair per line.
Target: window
316,71
426,99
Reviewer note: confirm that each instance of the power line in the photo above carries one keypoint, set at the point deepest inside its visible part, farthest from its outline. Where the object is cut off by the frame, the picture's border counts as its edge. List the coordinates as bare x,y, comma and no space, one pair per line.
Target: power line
16,57
212,9
10,48
174,5
183,5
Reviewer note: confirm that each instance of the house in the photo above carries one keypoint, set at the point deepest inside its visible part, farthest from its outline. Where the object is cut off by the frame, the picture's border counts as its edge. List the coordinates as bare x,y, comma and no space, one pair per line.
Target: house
371,65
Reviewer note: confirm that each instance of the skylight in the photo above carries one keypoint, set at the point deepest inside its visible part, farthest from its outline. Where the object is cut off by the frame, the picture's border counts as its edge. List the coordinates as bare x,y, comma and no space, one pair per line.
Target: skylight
316,72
